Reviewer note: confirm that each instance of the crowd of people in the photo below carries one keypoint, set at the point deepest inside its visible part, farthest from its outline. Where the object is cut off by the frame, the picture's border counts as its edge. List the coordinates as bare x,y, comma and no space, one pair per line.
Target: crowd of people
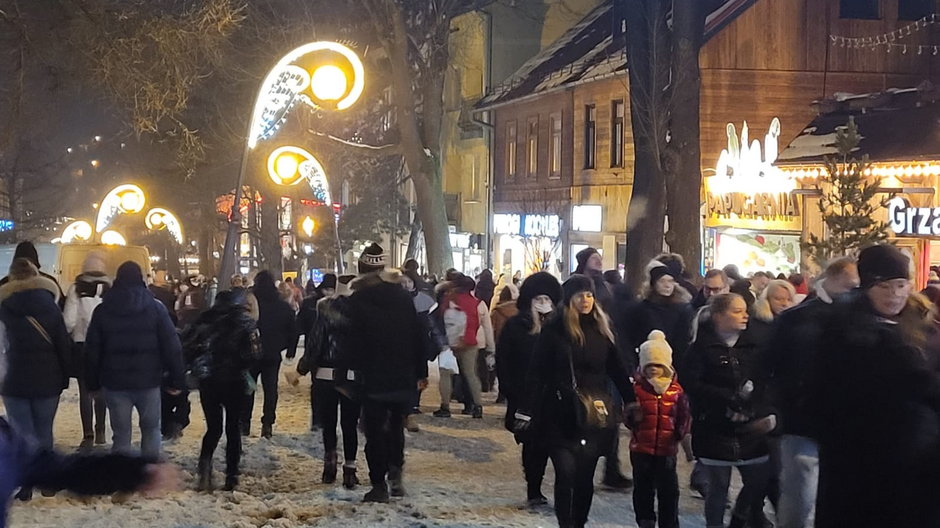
828,384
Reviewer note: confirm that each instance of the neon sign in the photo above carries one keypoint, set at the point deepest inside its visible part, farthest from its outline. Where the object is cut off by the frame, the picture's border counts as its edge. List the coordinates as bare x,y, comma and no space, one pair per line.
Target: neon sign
743,168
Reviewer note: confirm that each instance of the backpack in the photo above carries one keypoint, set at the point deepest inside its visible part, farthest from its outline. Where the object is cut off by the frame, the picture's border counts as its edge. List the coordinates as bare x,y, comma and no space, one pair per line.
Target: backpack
455,325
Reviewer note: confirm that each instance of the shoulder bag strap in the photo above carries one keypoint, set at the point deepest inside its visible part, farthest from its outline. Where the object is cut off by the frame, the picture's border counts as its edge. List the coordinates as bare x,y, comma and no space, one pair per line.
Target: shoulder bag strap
39,328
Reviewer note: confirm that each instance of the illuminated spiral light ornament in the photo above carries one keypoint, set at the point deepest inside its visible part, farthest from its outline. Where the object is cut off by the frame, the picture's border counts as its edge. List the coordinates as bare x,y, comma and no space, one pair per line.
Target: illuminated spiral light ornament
291,165
159,218
78,231
113,238
123,199
319,74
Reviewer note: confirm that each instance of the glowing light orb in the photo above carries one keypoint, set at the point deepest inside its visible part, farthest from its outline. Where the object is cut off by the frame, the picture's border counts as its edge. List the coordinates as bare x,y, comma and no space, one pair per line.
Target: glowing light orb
113,238
78,231
291,165
328,83
308,225
159,218
123,199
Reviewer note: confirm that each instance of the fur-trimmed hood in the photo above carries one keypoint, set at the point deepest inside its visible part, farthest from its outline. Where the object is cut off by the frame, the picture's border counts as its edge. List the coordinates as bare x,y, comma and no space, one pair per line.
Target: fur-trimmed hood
391,276
679,296
33,283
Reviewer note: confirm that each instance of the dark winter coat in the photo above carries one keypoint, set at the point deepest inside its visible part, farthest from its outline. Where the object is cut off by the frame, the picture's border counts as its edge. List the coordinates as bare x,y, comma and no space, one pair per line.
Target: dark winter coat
485,287
37,365
713,376
389,342
877,391
792,352
673,316
277,326
514,350
329,343
549,385
228,337
22,464
666,419
131,343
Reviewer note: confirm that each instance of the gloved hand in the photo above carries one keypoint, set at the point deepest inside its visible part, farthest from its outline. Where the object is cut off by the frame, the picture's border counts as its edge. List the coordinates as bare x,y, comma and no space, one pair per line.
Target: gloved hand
522,422
632,414
762,426
490,359
746,390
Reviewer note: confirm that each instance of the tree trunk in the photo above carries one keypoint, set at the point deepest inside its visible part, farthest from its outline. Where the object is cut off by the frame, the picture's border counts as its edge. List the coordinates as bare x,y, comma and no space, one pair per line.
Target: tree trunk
270,234
684,174
433,215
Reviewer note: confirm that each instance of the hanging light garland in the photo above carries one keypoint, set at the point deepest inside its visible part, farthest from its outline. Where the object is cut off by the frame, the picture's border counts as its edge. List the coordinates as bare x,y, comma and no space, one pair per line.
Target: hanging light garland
891,40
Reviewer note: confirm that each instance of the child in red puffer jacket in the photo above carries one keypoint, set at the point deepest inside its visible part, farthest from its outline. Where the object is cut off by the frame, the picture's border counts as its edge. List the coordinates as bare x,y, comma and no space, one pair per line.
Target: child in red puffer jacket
659,423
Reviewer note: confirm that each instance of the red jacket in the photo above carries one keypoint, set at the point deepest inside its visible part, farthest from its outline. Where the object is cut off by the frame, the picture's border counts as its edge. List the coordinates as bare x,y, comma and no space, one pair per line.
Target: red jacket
666,419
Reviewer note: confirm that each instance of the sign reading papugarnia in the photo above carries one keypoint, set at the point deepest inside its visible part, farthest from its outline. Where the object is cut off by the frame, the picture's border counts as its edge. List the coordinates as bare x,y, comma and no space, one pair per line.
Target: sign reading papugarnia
913,221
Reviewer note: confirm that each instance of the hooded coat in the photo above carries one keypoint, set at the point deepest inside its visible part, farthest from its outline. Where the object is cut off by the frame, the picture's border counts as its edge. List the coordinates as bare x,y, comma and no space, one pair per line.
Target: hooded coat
388,341
37,364
131,342
877,391
672,315
28,251
228,334
276,321
84,296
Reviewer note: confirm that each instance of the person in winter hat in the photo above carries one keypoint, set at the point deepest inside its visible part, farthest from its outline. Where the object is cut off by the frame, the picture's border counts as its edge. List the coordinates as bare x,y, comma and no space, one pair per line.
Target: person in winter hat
130,344
591,265
881,342
538,297
27,250
84,295
389,351
659,423
575,349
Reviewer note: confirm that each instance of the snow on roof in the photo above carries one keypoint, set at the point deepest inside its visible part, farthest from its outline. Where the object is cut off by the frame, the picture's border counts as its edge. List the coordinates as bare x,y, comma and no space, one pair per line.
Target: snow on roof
587,52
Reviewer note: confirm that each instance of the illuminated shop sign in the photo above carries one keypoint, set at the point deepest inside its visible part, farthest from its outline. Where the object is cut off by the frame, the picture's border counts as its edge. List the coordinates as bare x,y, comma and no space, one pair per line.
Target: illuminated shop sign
588,218
905,220
533,225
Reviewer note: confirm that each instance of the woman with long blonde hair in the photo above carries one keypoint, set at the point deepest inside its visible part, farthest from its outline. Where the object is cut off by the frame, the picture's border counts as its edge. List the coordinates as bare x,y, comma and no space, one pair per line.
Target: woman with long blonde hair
569,397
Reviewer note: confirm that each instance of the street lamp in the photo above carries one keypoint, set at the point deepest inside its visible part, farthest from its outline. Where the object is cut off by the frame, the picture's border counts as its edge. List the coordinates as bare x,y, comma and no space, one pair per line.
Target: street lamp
324,75
123,199
159,218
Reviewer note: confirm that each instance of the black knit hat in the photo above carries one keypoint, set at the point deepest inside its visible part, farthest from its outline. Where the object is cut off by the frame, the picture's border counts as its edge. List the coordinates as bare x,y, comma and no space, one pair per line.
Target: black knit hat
882,263
576,284
541,283
329,281
27,250
372,259
659,272
129,276
582,258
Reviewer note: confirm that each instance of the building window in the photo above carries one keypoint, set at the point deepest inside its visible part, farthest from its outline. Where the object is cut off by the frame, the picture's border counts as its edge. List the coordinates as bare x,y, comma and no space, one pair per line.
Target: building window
616,133
555,161
532,146
590,136
511,150
915,9
388,119
859,9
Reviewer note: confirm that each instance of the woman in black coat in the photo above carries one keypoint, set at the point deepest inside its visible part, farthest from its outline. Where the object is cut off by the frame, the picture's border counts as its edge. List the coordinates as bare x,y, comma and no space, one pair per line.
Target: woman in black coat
37,353
224,345
666,307
725,379
278,332
575,357
537,299
876,400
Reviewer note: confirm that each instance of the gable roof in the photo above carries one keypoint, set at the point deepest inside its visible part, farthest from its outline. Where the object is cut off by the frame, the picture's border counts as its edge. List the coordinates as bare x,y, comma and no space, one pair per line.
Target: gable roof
587,52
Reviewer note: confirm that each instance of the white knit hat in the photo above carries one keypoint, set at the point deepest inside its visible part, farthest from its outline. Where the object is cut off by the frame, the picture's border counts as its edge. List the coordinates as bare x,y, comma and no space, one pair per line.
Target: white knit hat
656,351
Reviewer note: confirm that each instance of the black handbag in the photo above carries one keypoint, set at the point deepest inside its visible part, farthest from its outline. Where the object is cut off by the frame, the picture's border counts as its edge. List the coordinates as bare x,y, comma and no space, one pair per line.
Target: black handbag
586,411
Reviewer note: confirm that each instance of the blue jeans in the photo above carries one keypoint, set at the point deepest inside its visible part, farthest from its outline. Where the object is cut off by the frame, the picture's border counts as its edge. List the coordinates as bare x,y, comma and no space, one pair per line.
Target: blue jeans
120,406
33,417
799,477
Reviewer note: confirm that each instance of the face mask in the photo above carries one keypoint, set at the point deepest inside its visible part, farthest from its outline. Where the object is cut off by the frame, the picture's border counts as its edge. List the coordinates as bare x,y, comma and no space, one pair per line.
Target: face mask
543,307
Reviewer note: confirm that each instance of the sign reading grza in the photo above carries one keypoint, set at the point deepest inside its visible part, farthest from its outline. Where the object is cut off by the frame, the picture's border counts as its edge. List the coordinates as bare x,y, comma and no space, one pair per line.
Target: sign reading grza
913,221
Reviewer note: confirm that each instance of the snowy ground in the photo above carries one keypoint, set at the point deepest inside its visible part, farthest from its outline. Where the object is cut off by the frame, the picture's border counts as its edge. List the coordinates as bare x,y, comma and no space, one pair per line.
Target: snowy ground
459,472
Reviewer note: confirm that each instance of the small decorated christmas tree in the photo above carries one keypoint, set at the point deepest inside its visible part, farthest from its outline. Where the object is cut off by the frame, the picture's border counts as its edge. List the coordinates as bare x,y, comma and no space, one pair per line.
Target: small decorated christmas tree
850,202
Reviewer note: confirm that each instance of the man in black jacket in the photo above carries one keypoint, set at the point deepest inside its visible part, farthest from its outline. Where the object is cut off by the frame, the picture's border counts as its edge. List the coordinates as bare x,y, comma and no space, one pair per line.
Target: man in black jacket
388,348
792,356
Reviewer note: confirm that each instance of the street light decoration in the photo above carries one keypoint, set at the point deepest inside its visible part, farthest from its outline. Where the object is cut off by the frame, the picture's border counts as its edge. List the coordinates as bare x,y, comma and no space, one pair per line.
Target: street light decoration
308,225
113,238
319,74
291,165
78,231
159,218
123,199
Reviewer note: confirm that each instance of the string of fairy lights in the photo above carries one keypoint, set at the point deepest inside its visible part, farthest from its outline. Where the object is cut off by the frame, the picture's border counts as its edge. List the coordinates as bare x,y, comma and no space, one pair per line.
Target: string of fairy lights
893,41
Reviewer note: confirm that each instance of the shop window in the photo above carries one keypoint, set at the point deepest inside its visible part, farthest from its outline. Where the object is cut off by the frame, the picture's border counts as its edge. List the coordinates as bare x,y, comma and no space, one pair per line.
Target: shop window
587,218
555,162
511,139
859,9
590,136
616,133
915,9
532,147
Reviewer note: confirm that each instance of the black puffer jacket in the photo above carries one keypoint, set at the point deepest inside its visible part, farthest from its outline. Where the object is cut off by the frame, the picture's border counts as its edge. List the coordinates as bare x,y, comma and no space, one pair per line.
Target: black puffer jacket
877,390
36,366
329,342
131,342
672,316
228,335
514,351
549,383
389,342
713,376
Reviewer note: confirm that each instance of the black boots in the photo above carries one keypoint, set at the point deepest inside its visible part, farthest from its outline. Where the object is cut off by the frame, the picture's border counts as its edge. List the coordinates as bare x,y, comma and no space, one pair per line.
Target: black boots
231,482
267,430
100,435
443,412
377,494
350,480
329,467
477,411
204,474
395,485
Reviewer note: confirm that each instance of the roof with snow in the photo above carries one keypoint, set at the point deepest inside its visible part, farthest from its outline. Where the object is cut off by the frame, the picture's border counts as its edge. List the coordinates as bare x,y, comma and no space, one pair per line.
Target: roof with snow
587,52
895,125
